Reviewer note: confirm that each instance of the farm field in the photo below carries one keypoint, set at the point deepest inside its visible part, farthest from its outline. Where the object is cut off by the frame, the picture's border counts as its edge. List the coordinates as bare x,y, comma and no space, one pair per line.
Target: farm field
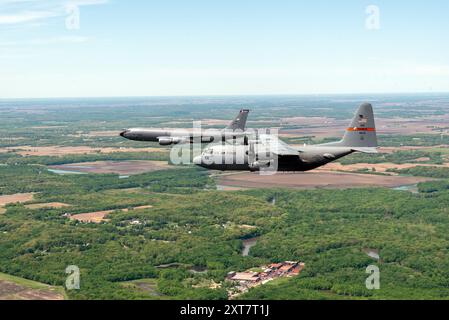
55,151
55,205
100,216
14,288
319,179
377,167
118,167
14,198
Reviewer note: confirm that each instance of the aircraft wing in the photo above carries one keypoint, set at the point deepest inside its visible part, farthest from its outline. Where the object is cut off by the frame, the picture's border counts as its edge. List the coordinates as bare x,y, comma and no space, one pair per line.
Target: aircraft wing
271,143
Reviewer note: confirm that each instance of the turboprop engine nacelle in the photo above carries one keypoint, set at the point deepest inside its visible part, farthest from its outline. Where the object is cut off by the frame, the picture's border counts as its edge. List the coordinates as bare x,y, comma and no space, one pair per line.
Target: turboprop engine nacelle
166,141
257,165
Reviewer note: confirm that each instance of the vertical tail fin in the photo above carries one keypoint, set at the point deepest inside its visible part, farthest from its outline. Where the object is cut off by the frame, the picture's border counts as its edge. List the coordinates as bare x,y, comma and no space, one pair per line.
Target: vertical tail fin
239,123
361,134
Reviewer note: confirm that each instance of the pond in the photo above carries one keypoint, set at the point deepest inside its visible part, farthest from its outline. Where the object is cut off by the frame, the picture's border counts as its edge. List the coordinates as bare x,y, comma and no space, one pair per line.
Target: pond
65,171
411,188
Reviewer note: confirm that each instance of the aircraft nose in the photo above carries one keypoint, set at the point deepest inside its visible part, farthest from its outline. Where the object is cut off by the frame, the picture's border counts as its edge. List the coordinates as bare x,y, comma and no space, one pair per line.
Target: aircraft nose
123,133
197,160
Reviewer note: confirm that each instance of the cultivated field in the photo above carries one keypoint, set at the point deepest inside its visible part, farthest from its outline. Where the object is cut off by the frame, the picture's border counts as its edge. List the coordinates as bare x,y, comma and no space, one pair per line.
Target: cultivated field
379,167
58,151
100,216
14,198
94,217
111,133
119,167
14,288
49,205
440,148
316,179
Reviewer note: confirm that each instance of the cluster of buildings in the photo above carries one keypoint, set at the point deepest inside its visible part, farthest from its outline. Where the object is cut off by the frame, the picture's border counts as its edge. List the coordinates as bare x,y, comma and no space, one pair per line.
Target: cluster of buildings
249,279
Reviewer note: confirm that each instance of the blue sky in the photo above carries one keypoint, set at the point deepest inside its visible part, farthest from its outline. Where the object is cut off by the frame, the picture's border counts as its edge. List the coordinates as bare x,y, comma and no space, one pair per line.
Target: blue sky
207,47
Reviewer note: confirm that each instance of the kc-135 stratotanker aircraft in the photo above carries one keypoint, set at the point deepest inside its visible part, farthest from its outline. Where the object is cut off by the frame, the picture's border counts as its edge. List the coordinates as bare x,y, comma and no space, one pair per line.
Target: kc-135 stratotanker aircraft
167,137
246,150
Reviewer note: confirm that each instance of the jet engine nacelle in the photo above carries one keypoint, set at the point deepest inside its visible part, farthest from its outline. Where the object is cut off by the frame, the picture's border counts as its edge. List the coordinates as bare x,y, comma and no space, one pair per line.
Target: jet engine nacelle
167,141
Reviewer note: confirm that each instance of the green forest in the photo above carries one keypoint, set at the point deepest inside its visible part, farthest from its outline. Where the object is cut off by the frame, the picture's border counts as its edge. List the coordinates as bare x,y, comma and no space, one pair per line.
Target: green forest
192,226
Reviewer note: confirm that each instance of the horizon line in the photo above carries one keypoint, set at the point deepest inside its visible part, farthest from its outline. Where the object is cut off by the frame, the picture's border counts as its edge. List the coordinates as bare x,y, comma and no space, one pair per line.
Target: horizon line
227,95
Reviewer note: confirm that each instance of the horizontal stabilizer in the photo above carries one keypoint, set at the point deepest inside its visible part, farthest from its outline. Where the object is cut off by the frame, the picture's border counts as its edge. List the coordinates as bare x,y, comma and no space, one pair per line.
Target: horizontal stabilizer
365,150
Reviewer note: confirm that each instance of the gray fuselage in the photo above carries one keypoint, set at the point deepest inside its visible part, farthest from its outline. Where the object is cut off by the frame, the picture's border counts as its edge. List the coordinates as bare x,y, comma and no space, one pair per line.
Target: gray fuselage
175,136
228,158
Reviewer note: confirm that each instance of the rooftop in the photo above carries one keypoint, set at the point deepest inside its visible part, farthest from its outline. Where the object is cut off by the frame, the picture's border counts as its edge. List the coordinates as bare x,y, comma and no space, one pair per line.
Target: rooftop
245,276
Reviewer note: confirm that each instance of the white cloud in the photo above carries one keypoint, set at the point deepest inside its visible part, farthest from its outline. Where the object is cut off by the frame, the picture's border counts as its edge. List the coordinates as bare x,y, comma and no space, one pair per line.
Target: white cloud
22,17
25,11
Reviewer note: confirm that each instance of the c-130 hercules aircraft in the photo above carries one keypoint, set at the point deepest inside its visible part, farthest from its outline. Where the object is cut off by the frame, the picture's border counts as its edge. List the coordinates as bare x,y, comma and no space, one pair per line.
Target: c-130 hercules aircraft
251,151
